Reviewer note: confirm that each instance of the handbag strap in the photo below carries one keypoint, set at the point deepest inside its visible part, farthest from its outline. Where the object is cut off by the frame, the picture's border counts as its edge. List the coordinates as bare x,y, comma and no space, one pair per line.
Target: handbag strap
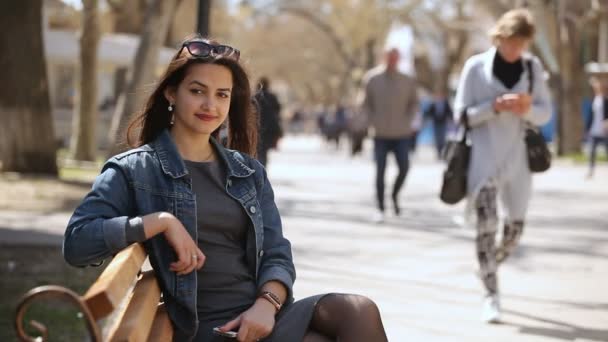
464,122
465,119
530,76
530,88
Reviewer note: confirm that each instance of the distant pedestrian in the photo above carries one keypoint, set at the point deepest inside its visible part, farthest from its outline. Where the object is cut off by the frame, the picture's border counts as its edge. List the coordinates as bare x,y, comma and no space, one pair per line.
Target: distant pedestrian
597,125
493,92
339,124
357,131
440,114
322,122
296,123
390,103
270,130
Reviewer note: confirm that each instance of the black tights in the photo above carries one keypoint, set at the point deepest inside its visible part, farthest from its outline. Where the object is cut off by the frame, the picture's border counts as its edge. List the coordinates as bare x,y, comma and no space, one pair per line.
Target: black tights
346,318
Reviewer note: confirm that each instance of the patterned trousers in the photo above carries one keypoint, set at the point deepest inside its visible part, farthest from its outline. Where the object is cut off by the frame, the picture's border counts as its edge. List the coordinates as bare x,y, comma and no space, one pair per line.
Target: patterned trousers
488,255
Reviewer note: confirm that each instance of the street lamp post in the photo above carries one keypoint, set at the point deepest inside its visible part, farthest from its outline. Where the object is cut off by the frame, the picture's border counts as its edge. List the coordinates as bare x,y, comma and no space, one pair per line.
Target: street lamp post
204,13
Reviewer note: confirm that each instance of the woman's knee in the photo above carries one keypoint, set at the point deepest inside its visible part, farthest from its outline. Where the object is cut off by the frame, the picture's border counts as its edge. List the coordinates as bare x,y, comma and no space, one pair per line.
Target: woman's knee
361,306
342,315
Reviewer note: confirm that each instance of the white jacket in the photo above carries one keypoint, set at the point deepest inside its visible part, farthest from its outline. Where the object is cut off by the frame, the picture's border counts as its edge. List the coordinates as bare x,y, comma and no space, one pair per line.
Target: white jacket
498,152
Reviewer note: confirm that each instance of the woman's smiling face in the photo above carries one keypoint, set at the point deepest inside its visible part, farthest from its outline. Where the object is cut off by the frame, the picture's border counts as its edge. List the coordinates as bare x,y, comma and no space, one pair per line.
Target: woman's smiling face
201,102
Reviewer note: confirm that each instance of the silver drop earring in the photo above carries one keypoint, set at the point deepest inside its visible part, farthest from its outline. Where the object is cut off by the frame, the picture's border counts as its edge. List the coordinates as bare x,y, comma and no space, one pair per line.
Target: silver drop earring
170,108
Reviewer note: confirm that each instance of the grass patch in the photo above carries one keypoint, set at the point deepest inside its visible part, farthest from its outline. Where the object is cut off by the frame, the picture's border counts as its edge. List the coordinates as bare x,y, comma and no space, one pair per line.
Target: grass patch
64,322
78,174
25,267
74,170
583,158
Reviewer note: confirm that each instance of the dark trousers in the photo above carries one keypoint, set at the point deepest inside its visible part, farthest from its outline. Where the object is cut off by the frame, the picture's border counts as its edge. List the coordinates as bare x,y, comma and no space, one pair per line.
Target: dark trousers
595,141
439,130
400,148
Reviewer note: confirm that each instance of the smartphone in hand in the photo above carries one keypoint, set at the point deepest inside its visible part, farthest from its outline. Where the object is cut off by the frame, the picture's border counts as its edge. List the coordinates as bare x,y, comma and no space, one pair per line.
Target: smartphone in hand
229,334
511,97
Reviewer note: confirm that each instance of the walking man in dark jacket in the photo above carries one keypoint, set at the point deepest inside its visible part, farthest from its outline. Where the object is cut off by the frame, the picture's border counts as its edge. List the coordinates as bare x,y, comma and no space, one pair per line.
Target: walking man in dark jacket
270,130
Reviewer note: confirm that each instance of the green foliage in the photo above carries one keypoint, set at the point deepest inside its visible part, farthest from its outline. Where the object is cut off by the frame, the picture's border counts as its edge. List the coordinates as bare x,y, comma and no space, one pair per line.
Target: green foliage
583,158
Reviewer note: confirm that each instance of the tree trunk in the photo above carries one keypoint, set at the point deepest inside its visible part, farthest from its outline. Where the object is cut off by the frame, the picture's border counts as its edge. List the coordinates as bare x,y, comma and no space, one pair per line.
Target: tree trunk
83,142
156,24
370,53
27,138
572,76
571,123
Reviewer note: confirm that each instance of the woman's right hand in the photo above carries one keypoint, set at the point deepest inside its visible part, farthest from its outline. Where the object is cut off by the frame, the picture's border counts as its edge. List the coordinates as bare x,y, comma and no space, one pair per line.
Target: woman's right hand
500,105
189,256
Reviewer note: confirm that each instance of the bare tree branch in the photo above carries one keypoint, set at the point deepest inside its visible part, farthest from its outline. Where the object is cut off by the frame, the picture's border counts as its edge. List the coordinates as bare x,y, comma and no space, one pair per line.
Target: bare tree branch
326,28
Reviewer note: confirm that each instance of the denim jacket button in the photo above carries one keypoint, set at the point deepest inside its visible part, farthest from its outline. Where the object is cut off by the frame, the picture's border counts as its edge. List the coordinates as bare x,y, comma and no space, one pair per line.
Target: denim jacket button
252,209
261,254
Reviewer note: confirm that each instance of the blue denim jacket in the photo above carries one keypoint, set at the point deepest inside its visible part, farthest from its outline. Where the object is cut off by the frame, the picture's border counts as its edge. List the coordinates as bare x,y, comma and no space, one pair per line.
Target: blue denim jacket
153,178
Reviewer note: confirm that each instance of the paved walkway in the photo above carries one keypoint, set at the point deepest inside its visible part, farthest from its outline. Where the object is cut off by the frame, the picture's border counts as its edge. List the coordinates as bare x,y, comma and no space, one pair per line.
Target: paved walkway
420,267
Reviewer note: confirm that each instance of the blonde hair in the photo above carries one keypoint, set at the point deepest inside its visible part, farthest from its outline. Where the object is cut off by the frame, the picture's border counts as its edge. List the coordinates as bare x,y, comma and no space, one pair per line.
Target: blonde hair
516,23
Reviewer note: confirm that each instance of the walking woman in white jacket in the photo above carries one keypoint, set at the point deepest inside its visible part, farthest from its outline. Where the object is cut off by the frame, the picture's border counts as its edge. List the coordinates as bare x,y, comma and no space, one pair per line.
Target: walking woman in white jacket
494,92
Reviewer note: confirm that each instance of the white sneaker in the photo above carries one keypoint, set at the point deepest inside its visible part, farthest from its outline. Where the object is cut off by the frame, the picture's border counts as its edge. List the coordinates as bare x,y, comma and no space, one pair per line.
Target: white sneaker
491,309
378,217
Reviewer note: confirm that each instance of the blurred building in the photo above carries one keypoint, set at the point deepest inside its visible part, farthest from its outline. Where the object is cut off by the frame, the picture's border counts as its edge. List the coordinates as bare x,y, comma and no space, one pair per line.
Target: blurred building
116,52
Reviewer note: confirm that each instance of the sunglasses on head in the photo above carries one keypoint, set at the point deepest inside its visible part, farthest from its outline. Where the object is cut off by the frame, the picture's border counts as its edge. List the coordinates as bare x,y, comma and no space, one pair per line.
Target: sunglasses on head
203,50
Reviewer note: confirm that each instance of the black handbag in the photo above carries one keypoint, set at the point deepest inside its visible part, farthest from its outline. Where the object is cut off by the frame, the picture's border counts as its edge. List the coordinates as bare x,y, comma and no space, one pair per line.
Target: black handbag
539,156
457,154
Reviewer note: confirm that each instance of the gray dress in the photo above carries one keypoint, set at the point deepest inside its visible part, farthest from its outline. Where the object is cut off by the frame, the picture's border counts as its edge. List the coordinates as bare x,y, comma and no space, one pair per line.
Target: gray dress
226,285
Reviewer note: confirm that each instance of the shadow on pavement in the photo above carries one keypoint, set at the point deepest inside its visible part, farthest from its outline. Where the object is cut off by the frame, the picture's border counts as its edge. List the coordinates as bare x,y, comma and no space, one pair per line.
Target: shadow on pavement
439,220
565,196
562,330
358,212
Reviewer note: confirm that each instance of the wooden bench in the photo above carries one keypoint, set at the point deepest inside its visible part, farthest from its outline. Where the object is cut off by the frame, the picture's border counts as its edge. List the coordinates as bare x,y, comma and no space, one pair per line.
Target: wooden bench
122,304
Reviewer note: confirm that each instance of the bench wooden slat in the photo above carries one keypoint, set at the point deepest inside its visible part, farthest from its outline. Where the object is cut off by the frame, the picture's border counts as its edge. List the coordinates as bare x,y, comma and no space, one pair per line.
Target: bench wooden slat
114,283
136,322
162,330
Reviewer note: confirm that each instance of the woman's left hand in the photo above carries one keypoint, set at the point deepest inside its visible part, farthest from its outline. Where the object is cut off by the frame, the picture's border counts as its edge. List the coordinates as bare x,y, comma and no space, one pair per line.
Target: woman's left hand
254,324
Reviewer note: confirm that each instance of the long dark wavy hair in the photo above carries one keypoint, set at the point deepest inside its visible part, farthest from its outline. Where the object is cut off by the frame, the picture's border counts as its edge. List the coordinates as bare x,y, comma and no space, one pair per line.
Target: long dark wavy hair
242,118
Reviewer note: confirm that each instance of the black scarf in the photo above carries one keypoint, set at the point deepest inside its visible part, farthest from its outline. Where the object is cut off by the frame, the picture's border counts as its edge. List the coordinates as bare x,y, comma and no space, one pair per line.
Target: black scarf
508,73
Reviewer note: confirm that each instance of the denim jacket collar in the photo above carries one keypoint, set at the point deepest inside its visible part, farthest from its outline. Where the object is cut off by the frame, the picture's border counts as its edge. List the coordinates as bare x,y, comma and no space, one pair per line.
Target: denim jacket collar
234,161
173,165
